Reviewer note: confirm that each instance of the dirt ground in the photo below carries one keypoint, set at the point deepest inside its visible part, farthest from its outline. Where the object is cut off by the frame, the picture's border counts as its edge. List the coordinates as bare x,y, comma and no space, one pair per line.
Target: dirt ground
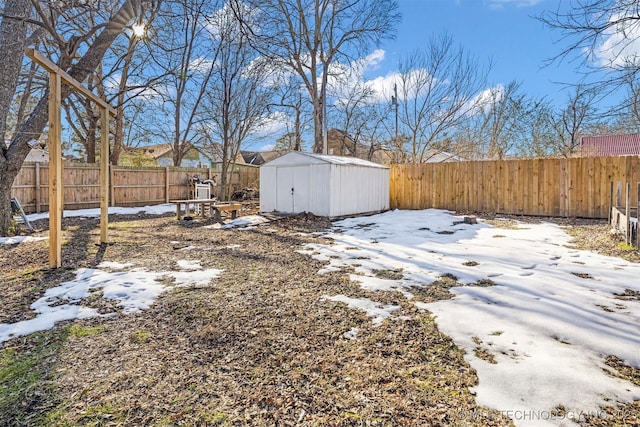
258,346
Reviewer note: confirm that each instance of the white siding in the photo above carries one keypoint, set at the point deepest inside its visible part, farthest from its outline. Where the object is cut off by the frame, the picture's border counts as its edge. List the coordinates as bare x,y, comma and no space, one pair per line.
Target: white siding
268,194
320,189
357,189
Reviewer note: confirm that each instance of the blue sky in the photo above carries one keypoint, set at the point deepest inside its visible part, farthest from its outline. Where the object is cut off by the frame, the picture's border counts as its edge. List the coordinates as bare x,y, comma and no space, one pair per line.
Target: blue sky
503,31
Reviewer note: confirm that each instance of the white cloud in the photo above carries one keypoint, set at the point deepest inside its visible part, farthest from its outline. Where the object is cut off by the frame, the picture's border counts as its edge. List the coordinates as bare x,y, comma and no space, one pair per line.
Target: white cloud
485,99
500,4
200,65
273,125
621,45
383,85
343,78
373,60
137,89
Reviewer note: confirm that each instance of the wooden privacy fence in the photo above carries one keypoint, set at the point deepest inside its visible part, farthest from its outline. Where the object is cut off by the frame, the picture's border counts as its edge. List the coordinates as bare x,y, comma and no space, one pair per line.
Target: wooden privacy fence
577,187
128,186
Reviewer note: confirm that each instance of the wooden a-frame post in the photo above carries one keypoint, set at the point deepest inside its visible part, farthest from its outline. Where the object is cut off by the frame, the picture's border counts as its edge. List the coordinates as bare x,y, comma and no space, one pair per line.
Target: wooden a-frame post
57,76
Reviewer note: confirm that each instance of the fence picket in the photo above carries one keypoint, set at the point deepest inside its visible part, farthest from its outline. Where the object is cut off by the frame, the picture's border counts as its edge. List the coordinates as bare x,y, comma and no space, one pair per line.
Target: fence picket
128,186
575,187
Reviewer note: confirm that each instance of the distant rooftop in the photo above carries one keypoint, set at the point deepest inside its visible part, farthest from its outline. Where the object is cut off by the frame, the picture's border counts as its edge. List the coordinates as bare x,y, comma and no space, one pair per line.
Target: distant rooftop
610,145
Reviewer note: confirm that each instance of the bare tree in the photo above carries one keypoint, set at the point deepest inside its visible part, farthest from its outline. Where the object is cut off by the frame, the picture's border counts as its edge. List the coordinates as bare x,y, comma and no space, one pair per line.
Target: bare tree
290,100
538,130
353,97
290,141
133,81
309,36
502,118
573,119
598,33
83,121
15,31
376,129
237,101
437,91
601,37
186,56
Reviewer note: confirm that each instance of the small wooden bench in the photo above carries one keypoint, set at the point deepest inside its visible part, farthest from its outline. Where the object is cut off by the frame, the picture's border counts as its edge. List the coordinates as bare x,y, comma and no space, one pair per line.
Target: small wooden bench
214,207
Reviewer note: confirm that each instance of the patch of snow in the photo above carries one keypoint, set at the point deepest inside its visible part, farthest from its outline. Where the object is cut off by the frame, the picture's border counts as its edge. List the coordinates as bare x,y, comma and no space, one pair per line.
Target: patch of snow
246,221
95,212
378,311
189,265
550,321
114,265
352,334
193,278
376,284
134,289
19,239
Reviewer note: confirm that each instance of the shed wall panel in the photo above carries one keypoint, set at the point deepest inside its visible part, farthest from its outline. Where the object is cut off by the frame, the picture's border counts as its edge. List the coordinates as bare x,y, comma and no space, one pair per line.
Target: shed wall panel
320,190
357,190
268,194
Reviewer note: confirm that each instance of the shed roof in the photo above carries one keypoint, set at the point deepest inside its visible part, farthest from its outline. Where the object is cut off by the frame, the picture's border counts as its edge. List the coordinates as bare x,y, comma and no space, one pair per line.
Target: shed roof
322,158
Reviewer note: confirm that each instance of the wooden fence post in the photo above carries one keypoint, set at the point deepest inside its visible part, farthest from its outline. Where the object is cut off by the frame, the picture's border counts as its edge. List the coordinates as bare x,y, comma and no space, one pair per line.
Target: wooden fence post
627,213
610,201
166,184
37,189
112,198
638,220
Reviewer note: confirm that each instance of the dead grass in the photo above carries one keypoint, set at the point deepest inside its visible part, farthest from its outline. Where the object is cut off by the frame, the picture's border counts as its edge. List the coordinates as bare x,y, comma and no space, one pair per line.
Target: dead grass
257,347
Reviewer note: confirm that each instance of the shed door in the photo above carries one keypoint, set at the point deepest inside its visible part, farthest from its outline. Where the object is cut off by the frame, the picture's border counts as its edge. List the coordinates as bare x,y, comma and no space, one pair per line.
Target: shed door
293,189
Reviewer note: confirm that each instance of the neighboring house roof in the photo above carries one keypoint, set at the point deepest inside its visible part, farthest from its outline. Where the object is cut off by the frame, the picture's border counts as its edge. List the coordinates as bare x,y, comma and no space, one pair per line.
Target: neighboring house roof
157,151
166,150
39,155
436,156
610,145
339,142
215,153
259,157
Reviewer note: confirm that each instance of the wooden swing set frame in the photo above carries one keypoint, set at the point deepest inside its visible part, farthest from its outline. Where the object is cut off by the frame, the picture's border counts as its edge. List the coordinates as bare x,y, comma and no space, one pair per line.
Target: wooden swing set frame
57,77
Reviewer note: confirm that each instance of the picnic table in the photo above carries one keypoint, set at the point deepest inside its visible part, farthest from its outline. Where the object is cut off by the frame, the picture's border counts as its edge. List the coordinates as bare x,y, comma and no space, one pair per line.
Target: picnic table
211,205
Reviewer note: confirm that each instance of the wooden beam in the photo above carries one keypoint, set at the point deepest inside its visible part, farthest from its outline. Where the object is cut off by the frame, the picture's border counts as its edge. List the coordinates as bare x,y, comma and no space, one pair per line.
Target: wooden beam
56,204
104,175
55,172
48,65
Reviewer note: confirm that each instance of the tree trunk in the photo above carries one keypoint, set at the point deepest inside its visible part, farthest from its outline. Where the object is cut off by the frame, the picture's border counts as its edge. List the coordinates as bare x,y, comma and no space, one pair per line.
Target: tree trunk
118,140
298,137
13,40
317,126
12,45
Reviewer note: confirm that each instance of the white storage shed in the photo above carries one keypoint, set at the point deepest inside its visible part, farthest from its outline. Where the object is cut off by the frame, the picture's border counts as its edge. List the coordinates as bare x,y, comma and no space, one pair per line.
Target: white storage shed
329,186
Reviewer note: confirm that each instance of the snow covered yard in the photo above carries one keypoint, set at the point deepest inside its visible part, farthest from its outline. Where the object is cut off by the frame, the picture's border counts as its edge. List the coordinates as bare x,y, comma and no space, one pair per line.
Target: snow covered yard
192,323
543,339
